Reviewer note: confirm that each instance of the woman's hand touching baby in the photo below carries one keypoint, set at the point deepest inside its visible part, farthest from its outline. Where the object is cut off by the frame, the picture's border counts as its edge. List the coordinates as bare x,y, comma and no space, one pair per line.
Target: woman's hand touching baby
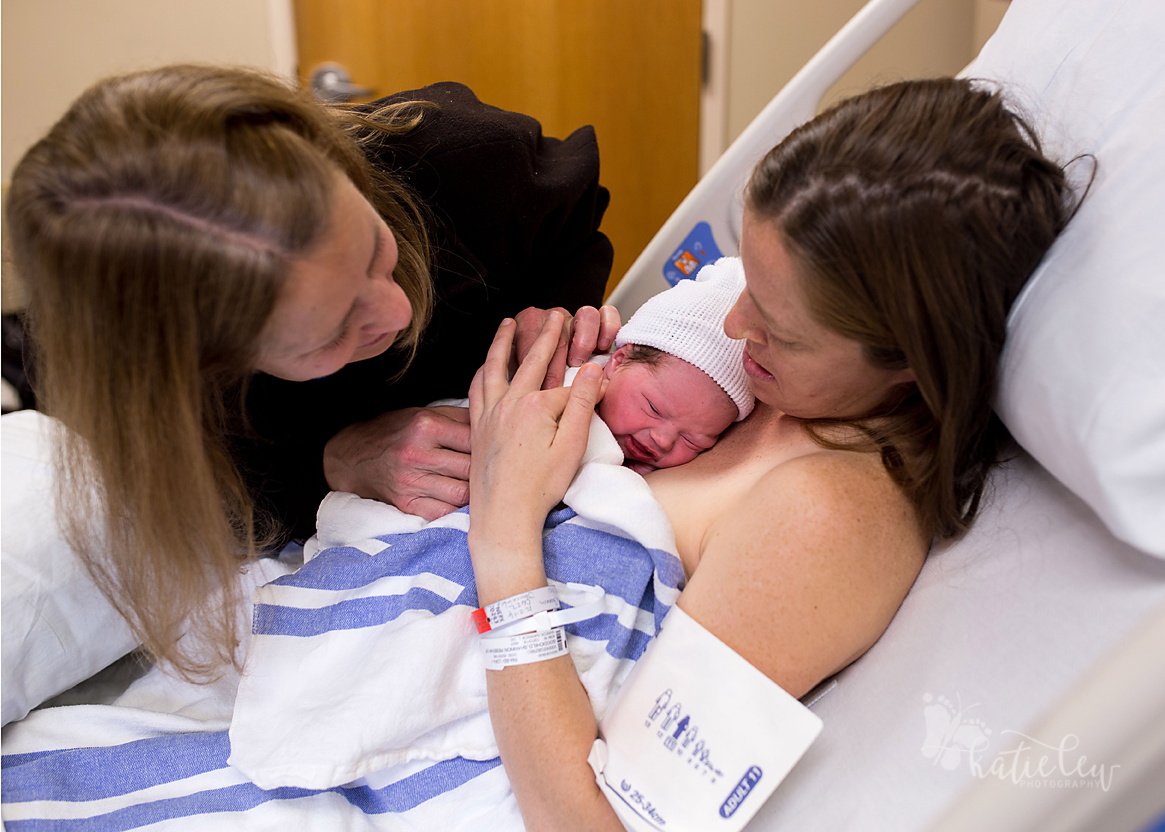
527,444
418,459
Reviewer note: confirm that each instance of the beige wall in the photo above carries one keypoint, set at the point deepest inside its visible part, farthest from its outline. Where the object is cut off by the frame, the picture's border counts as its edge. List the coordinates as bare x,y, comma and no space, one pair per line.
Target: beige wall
54,49
772,39
988,14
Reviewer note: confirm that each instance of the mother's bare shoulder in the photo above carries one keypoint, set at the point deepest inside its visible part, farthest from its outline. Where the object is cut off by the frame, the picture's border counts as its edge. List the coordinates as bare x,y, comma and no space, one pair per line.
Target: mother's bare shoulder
804,573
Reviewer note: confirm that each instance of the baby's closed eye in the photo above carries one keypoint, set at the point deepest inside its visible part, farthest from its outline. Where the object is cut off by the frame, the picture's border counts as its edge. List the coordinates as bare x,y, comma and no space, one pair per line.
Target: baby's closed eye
699,445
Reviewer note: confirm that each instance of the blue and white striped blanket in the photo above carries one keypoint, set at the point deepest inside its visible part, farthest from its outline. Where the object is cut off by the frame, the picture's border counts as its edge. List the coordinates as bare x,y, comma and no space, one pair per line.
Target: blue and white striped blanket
362,704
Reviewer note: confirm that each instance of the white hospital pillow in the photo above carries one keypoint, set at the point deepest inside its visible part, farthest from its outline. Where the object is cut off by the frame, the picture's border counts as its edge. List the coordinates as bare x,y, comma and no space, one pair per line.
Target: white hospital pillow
1083,373
57,628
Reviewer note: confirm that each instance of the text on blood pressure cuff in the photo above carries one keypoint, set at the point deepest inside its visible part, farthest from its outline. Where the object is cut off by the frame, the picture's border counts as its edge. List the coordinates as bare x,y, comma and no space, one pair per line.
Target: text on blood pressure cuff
697,738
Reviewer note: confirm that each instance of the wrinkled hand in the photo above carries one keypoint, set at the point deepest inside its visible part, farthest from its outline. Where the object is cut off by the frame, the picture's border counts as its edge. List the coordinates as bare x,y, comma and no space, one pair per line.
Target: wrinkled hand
527,442
589,331
415,459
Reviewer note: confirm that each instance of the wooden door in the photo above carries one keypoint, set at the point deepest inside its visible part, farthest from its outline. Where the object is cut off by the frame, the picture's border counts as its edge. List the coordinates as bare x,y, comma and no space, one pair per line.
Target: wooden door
631,68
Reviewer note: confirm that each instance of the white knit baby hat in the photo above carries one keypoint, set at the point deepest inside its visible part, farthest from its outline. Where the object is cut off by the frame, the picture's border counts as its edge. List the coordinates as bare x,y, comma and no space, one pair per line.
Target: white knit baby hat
687,321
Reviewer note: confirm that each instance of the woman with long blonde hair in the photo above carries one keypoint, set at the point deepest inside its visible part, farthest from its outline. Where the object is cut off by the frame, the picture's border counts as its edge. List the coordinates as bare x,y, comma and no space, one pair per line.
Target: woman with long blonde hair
199,243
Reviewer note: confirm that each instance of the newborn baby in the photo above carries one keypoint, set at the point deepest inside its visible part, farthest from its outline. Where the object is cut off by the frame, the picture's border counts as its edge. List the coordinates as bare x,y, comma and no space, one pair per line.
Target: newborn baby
676,380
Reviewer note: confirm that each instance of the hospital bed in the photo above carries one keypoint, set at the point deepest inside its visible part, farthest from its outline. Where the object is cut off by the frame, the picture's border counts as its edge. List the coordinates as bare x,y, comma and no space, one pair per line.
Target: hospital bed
1041,634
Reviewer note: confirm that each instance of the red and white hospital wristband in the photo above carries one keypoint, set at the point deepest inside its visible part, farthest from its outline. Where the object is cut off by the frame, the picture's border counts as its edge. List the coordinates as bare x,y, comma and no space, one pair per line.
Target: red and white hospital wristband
548,619
515,608
535,637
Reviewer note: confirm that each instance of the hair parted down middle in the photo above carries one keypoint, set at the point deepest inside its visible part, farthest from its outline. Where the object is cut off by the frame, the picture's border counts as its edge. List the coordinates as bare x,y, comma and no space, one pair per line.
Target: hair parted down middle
915,213
155,226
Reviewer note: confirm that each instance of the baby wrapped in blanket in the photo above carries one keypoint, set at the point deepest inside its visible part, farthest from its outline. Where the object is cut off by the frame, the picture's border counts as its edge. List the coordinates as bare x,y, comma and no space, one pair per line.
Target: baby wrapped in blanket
366,661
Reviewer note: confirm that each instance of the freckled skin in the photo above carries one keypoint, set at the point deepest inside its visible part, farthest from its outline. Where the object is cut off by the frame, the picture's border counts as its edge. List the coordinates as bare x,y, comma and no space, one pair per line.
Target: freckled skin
663,415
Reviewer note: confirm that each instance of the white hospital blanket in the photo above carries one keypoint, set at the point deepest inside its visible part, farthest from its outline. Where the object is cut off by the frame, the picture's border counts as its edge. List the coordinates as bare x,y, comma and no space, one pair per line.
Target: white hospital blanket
367,657
362,703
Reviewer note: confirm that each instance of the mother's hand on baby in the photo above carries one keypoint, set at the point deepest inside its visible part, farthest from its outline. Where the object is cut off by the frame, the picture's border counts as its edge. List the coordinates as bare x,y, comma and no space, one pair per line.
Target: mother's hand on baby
589,331
527,442
415,459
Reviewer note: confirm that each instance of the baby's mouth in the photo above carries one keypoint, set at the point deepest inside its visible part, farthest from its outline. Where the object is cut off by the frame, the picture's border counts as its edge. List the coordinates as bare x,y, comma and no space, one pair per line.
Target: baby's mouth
637,450
640,468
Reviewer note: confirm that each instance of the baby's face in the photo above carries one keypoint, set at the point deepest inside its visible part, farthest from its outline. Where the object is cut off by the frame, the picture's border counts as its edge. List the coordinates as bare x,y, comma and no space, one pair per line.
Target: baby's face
665,415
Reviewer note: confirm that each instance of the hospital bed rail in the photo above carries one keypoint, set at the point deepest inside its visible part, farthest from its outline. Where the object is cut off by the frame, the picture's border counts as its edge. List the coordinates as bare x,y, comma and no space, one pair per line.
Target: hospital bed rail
707,223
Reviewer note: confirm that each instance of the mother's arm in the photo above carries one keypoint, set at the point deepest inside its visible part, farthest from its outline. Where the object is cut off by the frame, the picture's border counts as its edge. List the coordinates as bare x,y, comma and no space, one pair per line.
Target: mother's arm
527,444
805,573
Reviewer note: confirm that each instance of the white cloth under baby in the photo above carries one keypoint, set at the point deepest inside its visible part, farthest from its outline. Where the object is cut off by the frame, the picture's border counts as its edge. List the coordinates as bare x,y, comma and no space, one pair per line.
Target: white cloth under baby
367,657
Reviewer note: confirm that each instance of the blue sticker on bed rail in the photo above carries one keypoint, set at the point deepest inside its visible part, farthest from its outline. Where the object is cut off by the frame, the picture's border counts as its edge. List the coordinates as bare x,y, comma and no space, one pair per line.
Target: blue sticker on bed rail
698,249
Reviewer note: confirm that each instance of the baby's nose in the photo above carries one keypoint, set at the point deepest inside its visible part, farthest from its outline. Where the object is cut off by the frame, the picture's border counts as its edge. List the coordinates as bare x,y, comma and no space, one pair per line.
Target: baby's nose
664,438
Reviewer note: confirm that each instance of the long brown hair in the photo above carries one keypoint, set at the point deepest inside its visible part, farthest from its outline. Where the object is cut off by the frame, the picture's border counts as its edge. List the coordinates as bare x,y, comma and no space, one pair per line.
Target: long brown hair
916,213
154,227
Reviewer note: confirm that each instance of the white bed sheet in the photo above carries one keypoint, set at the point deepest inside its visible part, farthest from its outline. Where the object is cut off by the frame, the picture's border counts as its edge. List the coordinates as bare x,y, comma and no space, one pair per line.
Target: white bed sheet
997,628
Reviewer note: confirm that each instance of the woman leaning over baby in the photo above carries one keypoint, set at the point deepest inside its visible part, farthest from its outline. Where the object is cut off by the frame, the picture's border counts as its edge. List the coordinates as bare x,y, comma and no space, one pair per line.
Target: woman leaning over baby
240,299
883,244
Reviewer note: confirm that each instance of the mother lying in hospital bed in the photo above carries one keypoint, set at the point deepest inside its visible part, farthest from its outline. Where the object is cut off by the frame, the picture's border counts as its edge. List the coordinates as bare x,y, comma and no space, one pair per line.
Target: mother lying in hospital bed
883,244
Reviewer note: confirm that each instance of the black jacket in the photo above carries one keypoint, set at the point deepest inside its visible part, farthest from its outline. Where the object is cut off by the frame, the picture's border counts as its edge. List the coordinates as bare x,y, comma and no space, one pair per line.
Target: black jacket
514,223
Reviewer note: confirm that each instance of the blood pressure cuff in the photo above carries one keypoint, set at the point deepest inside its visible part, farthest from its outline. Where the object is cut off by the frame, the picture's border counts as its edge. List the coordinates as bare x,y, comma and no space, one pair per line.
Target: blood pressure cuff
697,738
